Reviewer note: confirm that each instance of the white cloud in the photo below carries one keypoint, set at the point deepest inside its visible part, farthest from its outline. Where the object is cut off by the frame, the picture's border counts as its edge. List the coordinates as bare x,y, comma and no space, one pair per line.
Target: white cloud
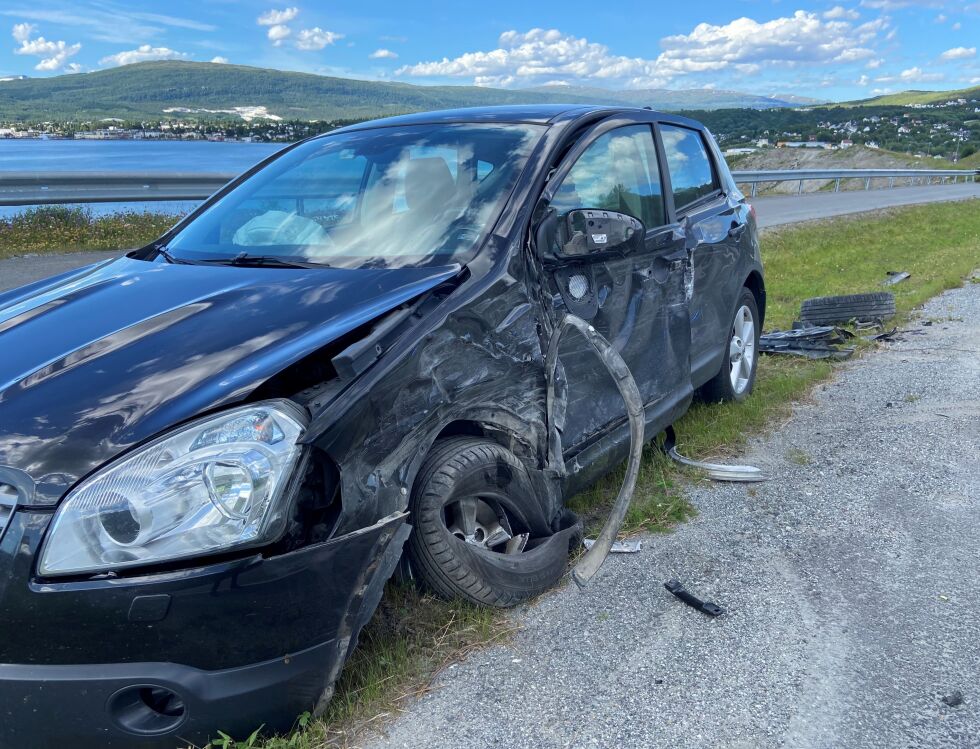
863,80
277,17
114,23
839,11
874,64
141,54
316,38
54,55
911,75
743,46
800,39
278,33
219,60
959,53
957,26
383,54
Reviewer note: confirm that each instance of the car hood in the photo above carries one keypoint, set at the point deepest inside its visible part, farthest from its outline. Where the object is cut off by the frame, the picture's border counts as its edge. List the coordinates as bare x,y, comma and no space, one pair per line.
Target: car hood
100,359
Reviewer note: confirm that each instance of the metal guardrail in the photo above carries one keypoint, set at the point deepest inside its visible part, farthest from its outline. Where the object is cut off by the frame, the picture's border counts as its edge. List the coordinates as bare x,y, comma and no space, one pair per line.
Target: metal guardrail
46,188
908,176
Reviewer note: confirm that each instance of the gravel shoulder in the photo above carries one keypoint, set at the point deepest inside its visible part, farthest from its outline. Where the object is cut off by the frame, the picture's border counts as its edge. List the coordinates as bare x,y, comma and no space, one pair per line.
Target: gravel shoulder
850,581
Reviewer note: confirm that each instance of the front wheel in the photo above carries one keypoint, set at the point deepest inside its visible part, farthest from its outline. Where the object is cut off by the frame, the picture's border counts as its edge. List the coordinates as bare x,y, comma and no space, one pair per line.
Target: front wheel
736,377
469,540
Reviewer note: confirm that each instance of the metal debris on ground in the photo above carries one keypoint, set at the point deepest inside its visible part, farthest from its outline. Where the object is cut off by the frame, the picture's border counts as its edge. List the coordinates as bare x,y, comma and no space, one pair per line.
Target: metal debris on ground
715,471
619,547
895,276
705,607
812,342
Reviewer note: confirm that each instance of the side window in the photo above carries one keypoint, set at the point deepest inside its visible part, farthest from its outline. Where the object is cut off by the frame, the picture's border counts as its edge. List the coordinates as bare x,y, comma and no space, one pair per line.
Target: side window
618,172
691,173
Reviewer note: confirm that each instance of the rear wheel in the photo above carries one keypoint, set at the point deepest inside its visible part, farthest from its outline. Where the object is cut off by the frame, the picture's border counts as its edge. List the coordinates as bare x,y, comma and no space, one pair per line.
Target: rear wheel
736,377
469,540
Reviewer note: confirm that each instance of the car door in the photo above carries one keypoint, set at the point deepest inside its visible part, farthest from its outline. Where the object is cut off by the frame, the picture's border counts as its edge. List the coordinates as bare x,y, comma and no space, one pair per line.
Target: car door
636,300
699,202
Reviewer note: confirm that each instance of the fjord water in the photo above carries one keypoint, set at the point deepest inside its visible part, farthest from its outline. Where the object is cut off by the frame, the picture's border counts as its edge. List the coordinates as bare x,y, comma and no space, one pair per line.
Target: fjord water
37,155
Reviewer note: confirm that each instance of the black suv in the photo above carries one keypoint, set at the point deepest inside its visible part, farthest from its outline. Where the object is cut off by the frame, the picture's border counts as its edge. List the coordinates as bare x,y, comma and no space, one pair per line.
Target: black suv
214,449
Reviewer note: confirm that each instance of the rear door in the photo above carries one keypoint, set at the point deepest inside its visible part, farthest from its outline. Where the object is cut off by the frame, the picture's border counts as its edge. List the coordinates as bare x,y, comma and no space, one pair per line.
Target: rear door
636,300
696,195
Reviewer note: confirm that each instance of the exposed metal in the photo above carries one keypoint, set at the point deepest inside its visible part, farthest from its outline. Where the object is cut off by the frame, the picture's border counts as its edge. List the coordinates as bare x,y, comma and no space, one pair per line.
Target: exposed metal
715,471
46,188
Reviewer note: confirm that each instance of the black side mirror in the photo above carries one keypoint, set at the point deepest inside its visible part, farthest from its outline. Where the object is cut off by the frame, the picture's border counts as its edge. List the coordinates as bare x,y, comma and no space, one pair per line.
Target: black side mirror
588,230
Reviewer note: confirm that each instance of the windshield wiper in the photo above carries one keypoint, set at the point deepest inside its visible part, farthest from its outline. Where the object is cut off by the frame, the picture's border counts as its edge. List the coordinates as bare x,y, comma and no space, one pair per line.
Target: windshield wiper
243,259
170,258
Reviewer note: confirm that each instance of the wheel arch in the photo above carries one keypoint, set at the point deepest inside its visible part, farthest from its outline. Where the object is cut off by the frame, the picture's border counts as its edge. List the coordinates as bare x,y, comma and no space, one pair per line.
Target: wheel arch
757,286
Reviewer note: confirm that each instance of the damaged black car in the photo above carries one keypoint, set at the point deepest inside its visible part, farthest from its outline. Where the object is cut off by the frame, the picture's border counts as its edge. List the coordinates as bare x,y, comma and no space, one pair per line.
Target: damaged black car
404,343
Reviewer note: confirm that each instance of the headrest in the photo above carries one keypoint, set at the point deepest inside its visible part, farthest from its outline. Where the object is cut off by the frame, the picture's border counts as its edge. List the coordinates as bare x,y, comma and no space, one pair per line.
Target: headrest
428,182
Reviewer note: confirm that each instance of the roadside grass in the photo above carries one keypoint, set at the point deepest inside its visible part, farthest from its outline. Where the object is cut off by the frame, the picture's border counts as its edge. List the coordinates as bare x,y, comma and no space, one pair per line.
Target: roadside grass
57,229
413,636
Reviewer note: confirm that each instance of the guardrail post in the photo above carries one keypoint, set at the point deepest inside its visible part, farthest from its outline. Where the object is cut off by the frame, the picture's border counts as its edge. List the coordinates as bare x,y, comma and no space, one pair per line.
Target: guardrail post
755,186
837,185
891,182
800,190
867,183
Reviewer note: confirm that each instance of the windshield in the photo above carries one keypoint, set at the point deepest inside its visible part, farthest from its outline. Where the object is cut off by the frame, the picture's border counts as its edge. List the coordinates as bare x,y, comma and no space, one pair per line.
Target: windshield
387,197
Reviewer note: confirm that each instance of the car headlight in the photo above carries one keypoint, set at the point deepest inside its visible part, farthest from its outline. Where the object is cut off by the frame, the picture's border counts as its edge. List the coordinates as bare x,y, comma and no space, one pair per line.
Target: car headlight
205,487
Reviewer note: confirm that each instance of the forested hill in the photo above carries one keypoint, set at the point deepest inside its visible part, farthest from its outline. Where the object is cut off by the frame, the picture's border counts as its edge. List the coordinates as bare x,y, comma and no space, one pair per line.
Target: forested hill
147,90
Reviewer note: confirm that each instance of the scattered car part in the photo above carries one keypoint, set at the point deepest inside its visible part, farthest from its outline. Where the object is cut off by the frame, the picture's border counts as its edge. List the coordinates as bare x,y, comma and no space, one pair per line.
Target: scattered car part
705,607
895,276
590,563
715,471
829,310
630,546
812,342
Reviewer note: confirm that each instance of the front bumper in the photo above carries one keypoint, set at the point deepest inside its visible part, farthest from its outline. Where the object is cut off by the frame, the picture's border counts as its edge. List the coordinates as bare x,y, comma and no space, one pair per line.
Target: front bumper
166,659
156,704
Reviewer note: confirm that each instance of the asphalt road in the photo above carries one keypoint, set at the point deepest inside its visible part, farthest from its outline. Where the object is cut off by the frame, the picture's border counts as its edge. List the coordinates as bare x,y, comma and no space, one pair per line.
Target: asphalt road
790,209
850,581
773,211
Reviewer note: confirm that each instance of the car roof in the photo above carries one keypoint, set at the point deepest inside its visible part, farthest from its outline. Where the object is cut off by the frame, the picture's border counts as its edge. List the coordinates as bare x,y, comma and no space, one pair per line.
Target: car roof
539,114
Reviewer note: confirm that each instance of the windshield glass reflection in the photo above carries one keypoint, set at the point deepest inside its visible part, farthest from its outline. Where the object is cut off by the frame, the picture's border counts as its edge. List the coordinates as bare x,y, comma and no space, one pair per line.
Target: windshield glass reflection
387,197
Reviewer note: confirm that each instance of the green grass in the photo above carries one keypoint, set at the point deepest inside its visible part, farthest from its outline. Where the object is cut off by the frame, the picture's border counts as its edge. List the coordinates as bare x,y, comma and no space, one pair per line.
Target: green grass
938,244
55,229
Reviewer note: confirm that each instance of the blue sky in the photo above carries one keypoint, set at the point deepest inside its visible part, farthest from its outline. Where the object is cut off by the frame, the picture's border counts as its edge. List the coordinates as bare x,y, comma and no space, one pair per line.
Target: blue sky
833,50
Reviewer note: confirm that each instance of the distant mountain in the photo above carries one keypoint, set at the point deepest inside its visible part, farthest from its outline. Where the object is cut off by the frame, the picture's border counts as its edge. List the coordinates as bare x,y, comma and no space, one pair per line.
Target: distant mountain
152,90
909,98
674,100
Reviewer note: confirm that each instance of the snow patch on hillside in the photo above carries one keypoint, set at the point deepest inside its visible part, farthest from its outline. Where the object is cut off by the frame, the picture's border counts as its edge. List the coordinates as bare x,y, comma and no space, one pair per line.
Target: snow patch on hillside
246,113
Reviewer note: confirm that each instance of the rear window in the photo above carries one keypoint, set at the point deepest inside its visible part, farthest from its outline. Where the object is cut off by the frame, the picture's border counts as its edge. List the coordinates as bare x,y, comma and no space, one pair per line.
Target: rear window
692,175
